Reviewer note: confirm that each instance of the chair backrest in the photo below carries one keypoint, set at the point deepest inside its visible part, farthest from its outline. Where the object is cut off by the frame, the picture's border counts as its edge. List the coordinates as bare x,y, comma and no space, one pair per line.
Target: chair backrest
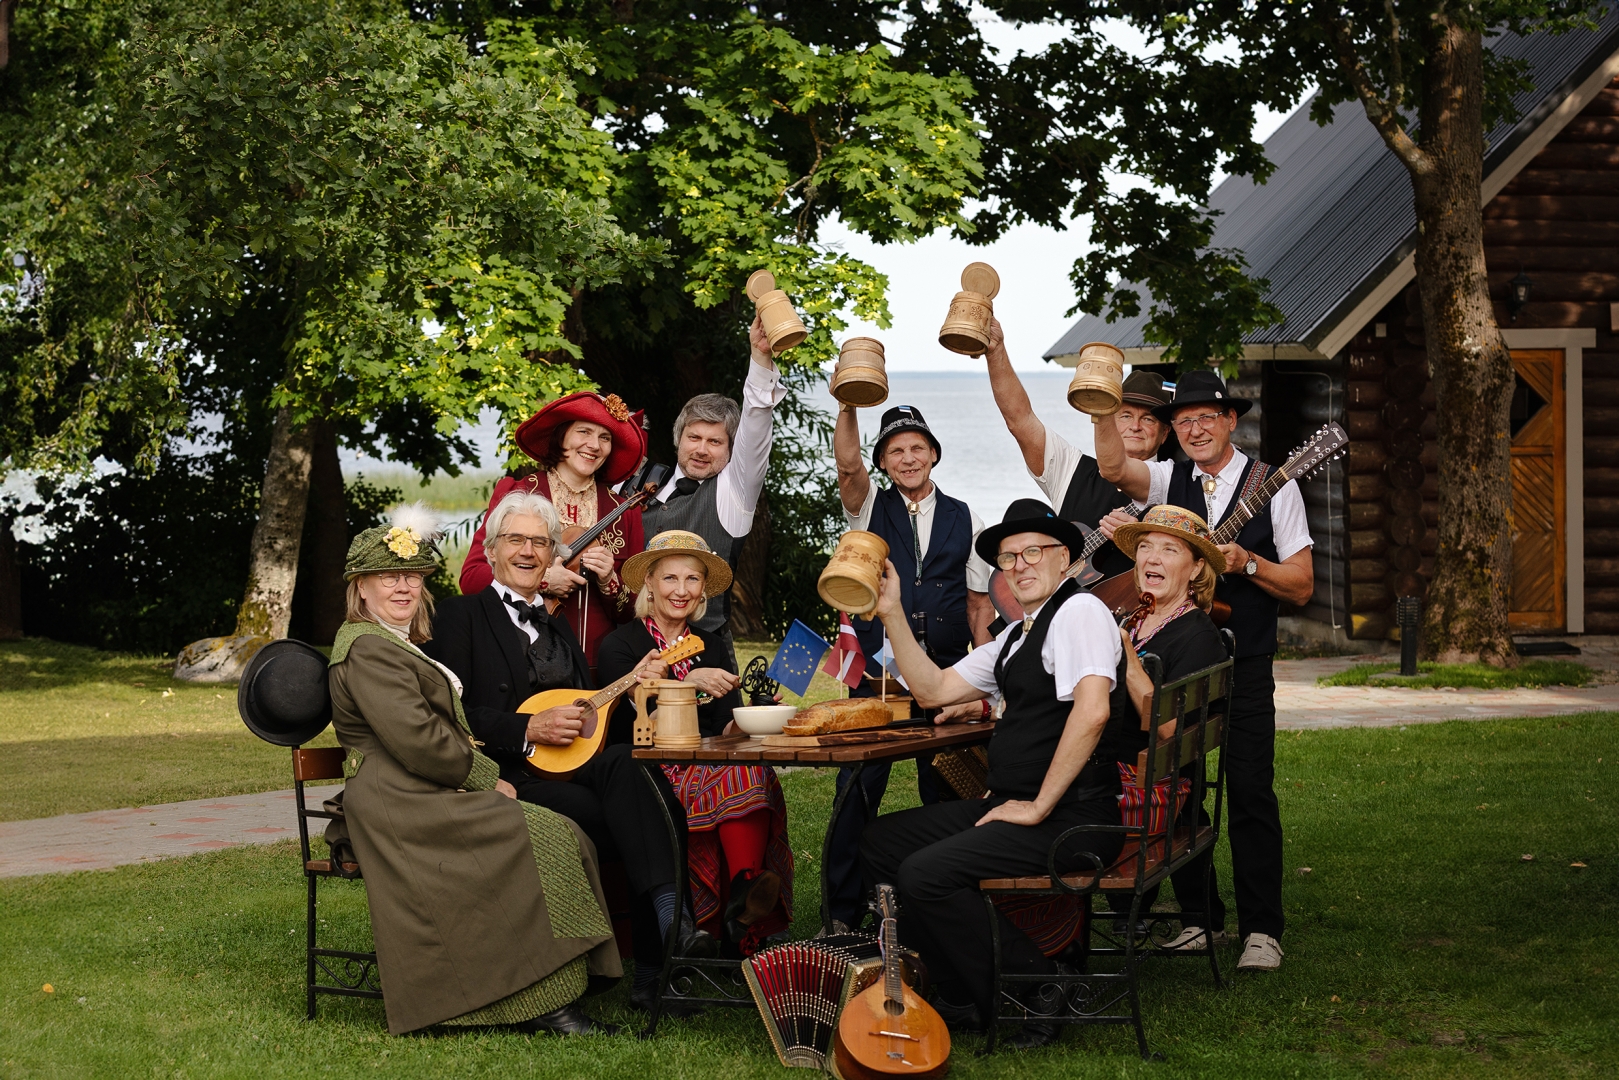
313,763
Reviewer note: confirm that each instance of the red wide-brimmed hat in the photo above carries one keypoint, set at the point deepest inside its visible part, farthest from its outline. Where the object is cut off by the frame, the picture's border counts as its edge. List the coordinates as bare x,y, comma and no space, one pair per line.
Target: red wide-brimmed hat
628,429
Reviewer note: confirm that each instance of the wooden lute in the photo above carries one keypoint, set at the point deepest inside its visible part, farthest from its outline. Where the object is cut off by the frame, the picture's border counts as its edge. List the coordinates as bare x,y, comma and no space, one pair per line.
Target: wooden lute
887,1029
1119,592
1000,589
560,762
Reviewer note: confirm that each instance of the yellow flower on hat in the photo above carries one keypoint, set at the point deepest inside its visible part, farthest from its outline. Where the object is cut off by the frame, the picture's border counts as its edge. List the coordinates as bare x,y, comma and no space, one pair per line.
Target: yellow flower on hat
404,542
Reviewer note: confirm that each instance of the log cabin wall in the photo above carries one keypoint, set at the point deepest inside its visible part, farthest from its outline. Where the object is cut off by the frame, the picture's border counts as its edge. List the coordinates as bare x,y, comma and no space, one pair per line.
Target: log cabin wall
1306,395
1558,222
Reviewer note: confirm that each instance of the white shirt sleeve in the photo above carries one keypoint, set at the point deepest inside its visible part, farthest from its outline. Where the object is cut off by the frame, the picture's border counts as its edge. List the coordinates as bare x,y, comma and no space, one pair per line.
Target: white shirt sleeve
862,519
1062,458
1158,489
978,570
1083,640
978,666
741,481
1289,525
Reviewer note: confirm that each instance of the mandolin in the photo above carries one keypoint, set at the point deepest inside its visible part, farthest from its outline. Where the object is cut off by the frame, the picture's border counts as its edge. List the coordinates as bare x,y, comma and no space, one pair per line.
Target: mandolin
576,538
560,762
1000,589
1119,592
887,1029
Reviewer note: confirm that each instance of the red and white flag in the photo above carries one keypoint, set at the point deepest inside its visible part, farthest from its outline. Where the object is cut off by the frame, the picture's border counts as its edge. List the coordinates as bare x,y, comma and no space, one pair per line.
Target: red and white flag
845,662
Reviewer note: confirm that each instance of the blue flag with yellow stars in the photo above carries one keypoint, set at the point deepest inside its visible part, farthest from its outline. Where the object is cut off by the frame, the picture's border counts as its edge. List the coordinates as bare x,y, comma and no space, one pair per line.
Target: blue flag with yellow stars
800,653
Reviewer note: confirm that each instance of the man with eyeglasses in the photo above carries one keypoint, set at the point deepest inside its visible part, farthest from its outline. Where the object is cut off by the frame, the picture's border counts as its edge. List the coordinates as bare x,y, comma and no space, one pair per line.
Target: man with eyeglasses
1068,476
1269,563
1052,767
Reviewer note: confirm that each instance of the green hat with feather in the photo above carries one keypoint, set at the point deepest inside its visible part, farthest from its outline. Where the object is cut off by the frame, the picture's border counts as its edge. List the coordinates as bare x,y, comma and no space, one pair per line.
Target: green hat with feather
409,542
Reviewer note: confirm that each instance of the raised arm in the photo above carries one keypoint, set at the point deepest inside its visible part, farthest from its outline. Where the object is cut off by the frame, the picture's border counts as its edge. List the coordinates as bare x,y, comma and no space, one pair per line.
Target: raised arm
1118,468
743,478
1013,401
854,482
932,686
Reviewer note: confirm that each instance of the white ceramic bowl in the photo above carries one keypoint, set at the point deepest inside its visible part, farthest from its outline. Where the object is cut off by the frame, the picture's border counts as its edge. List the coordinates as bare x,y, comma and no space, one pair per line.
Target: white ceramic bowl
763,719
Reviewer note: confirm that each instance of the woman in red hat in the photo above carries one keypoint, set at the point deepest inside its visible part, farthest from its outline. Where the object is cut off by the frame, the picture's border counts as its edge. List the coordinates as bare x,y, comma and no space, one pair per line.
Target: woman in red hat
585,444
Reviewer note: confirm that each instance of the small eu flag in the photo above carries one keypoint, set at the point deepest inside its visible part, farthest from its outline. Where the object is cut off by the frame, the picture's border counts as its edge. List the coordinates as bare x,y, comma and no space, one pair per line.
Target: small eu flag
795,662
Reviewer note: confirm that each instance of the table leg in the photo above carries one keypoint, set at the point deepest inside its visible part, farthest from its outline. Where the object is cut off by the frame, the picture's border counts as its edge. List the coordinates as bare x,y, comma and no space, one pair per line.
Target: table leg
649,771
826,841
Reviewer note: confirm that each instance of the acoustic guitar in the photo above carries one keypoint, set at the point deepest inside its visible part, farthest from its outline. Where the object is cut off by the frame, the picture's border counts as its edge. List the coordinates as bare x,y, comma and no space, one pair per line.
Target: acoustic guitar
1081,570
887,1029
561,762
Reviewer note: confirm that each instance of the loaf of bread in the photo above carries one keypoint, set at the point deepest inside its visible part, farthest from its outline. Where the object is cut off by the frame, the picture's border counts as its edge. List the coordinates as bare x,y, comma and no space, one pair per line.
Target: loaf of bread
846,714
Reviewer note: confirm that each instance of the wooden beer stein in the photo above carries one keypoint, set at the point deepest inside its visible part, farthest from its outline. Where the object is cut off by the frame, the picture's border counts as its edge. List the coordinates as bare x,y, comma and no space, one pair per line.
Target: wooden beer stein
966,327
1097,387
673,725
781,323
861,377
850,581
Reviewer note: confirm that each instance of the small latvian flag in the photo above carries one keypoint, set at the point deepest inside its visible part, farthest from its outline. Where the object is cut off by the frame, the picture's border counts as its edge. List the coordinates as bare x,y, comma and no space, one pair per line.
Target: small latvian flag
845,663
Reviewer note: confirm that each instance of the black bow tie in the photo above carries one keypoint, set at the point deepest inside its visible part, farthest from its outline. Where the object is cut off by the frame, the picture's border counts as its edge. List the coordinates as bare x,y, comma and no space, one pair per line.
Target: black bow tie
684,486
527,612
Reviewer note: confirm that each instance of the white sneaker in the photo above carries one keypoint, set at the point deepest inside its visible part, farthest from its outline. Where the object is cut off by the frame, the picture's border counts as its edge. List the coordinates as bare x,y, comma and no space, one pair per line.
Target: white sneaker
1192,937
1260,952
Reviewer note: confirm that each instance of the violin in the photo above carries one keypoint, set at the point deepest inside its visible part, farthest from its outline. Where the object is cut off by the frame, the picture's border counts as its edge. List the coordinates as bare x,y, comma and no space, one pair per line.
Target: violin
576,538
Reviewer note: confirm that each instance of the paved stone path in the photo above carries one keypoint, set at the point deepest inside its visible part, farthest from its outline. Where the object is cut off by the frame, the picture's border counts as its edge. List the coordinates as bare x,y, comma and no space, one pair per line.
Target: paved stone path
107,838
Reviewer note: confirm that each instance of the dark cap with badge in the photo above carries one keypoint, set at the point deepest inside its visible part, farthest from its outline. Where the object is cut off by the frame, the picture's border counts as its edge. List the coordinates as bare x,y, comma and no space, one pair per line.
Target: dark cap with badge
1201,388
896,420
1146,388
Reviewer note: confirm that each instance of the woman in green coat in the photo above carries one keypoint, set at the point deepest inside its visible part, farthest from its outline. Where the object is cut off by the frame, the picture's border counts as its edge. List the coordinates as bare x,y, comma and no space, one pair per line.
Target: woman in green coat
484,910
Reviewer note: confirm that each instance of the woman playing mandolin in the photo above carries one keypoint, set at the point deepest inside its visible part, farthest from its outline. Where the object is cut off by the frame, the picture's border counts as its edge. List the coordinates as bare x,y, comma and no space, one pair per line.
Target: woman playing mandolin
740,861
585,444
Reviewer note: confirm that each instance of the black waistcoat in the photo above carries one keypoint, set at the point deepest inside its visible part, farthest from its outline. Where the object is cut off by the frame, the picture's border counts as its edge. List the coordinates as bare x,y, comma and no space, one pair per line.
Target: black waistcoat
943,590
1088,500
1025,740
1253,610
698,513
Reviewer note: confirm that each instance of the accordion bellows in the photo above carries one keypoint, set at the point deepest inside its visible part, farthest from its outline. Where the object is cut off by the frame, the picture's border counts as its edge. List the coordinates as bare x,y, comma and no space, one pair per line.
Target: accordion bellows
802,987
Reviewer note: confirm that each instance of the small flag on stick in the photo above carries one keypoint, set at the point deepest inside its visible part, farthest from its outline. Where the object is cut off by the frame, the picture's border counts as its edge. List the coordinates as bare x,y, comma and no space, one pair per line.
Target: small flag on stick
845,663
794,664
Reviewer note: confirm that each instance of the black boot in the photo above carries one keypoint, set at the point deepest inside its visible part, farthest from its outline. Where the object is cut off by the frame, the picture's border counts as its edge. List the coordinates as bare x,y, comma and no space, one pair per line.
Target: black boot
568,1020
1046,999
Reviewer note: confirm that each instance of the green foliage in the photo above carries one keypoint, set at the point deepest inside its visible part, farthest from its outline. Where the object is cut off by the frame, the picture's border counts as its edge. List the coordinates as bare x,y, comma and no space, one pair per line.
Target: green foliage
1472,676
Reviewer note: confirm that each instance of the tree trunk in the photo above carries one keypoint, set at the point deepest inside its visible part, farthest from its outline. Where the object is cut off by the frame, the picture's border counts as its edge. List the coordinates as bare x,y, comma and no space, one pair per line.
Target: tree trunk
10,584
7,9
327,533
748,585
272,568
1466,616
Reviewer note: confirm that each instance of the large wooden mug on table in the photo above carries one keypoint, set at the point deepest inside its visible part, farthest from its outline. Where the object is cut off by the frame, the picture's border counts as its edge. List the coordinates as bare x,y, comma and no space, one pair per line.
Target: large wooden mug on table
673,724
861,376
1097,387
781,323
966,327
852,579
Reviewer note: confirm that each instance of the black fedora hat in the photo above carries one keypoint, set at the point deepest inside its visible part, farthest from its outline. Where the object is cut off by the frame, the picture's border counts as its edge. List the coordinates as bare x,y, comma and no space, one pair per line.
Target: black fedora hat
283,697
1029,515
902,418
1201,388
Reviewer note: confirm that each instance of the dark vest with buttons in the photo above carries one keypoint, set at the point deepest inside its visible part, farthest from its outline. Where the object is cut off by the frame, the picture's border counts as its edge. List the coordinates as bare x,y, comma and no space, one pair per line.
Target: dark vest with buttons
1253,610
698,513
943,589
1025,739
1088,500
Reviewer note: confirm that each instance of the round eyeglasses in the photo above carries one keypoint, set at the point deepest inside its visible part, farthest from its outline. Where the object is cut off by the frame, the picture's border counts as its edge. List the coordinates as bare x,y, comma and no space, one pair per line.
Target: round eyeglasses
1031,556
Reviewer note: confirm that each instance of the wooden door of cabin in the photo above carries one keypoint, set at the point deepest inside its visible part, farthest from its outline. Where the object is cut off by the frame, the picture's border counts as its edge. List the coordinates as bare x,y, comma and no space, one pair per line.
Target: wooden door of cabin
1539,553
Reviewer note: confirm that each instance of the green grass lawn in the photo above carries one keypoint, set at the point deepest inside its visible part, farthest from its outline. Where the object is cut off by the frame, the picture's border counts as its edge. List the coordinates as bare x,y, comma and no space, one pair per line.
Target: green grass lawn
1420,942
1473,676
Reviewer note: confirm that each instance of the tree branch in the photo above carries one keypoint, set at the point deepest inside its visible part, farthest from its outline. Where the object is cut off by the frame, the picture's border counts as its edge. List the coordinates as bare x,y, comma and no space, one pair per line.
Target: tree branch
1384,114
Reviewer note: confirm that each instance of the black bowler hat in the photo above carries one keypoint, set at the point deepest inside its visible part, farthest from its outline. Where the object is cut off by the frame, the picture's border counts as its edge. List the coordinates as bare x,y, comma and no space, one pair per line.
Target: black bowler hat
1201,388
1029,515
283,697
902,418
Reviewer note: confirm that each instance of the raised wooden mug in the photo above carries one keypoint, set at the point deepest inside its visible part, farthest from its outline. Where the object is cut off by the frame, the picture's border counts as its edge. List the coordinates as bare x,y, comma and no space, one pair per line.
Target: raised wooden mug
966,326
853,577
1097,387
781,323
861,375
673,724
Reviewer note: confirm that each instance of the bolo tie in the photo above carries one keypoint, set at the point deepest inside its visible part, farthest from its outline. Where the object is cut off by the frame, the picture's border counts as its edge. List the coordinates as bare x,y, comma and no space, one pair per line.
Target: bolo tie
1208,499
916,540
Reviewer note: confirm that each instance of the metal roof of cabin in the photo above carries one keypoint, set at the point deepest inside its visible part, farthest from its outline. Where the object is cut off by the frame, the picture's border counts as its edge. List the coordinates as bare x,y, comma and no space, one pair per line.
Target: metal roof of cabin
1336,216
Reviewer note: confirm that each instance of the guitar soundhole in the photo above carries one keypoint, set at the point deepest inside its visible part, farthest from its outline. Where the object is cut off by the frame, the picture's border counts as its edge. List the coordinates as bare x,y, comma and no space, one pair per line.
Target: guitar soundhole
588,721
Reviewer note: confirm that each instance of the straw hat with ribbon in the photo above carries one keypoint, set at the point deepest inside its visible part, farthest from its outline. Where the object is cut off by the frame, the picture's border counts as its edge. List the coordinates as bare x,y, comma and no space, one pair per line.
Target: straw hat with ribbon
1175,521
678,542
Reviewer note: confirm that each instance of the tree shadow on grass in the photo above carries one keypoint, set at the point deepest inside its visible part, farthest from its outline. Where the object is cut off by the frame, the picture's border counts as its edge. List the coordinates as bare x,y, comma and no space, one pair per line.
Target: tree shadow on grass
43,664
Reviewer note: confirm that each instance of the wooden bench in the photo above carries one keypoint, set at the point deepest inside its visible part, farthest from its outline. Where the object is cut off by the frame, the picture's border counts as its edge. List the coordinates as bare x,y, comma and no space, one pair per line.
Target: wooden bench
348,974
1151,853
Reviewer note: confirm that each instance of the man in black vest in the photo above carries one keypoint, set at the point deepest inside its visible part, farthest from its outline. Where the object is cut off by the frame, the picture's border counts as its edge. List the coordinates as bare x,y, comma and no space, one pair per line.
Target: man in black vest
1067,475
721,453
1052,765
1269,562
504,647
930,539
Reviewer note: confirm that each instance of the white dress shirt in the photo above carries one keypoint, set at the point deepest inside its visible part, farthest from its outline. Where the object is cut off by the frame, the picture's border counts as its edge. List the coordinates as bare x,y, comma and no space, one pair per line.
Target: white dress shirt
1288,523
1082,640
978,570
529,630
743,477
1062,458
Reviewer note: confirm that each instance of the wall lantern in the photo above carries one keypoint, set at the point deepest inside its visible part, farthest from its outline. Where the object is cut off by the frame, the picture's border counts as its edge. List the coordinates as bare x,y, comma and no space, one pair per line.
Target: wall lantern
1518,294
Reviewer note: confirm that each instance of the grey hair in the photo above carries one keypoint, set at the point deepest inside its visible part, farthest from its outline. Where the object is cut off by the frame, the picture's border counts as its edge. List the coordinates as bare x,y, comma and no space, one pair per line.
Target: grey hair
709,409
519,502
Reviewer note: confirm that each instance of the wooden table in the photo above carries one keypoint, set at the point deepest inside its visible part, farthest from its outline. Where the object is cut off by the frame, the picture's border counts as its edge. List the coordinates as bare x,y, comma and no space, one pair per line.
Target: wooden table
725,985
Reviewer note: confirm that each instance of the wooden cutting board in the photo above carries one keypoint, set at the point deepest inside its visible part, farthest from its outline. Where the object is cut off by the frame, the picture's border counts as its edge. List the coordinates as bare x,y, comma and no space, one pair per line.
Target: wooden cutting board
847,738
